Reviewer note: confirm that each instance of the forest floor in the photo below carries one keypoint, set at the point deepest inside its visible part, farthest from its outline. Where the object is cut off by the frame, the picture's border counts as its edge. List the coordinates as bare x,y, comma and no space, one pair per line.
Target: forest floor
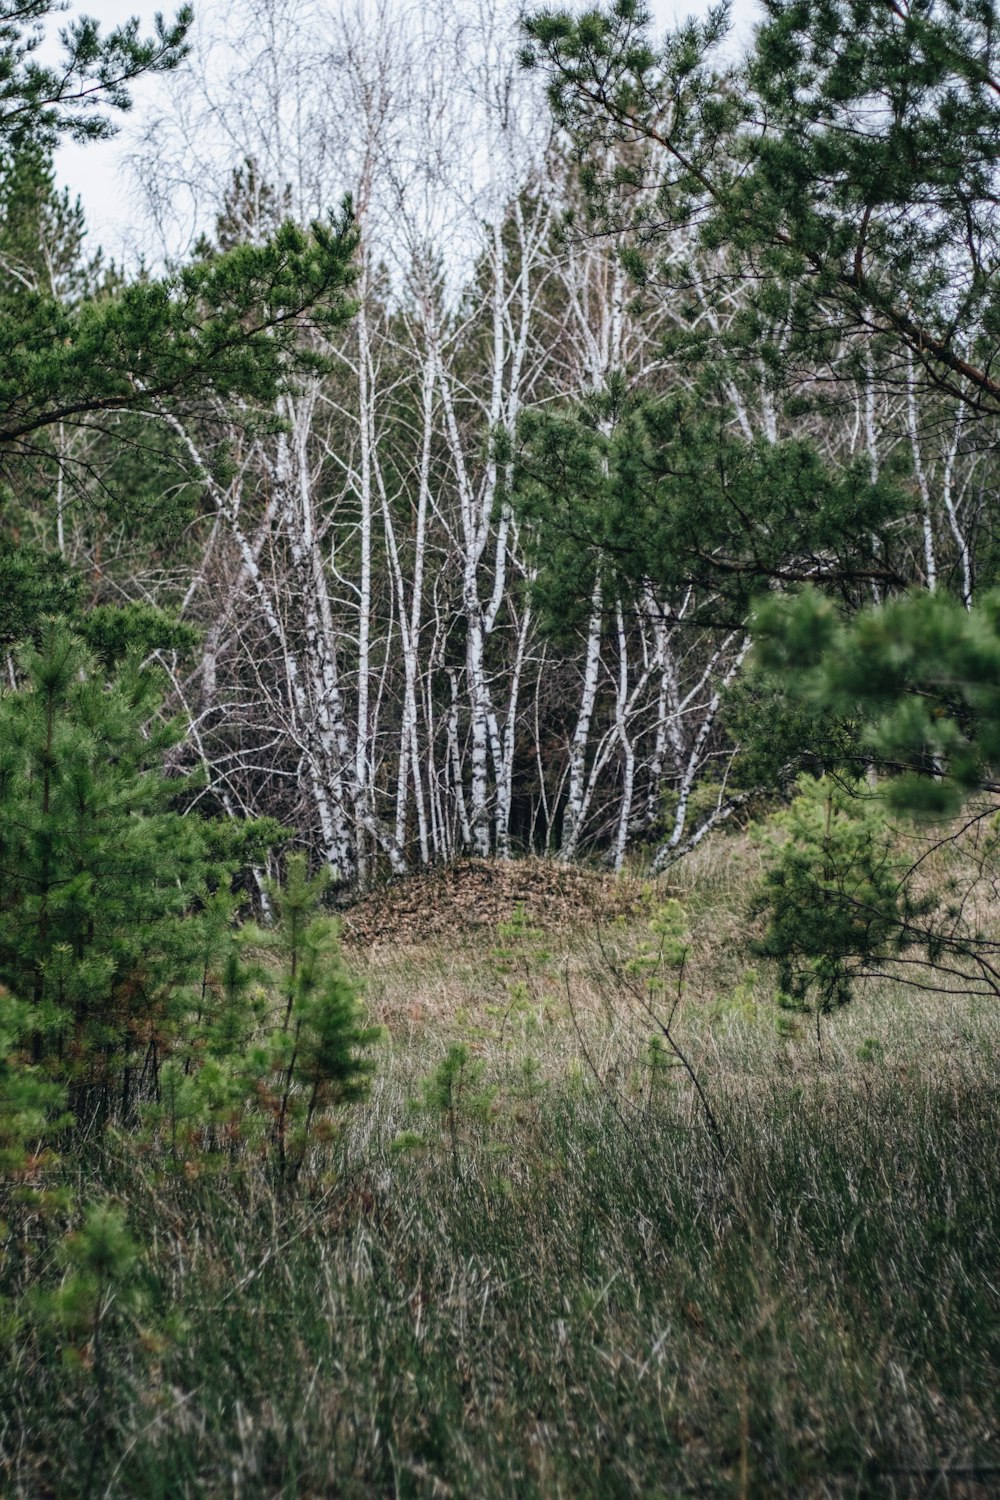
473,897
552,1257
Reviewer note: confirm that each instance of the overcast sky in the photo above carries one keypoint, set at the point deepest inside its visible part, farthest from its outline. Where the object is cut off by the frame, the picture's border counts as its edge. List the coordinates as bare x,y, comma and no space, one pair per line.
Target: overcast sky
98,172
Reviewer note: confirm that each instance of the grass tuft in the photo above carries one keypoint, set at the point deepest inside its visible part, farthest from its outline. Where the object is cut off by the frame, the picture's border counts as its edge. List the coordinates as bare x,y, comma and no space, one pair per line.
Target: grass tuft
552,1284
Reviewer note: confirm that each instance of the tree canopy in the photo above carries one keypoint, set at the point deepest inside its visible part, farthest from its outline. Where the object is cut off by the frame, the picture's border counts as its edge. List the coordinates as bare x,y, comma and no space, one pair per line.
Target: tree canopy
231,324
78,95
847,168
825,211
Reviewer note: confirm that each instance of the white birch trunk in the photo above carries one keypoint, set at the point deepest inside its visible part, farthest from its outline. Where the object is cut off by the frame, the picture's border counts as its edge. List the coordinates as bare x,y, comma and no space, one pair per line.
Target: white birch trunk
930,559
951,508
573,812
628,751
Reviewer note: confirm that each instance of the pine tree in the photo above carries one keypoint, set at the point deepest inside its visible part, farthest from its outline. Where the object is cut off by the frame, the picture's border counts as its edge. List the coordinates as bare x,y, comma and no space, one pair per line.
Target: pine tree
844,173
658,491
914,686
75,97
231,325
834,892
840,181
42,256
42,230
99,875
318,1052
838,184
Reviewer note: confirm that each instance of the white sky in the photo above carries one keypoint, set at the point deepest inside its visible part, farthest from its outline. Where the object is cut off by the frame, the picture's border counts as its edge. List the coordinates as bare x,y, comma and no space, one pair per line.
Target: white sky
98,171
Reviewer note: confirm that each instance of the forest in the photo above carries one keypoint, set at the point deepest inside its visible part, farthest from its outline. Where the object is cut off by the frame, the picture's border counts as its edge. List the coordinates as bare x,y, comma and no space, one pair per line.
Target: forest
500,753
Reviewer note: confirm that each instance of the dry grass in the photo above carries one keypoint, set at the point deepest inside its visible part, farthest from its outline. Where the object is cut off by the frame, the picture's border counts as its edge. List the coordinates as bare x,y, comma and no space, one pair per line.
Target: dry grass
563,1288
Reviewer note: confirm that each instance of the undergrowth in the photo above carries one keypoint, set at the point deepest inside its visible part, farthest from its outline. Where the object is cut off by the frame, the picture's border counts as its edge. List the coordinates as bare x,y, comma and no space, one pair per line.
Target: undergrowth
507,1277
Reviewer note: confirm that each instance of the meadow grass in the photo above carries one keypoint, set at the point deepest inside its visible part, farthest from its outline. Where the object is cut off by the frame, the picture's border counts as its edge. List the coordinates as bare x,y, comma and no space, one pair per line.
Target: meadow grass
566,1286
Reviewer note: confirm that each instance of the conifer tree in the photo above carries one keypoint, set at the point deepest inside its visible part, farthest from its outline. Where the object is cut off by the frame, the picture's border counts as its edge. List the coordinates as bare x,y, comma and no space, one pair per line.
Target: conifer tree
74,97
230,325
658,491
99,875
317,1055
913,685
840,179
42,256
834,892
839,182
899,706
845,170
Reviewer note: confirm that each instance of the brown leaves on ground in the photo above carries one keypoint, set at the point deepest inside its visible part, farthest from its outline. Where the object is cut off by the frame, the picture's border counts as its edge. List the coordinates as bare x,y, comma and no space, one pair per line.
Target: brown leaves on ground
471,895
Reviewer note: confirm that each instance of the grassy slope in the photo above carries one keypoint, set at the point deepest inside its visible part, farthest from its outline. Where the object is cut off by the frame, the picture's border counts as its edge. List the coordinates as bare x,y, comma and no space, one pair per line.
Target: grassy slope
570,1292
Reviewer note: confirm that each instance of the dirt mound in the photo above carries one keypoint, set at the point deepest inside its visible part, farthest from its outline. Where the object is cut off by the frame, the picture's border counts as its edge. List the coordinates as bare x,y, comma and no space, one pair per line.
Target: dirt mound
475,895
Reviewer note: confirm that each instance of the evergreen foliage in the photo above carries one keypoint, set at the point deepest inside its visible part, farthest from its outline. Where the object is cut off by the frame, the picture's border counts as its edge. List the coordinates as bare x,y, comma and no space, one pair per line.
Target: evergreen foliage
317,1055
904,695
42,230
230,325
125,985
176,1181
846,170
30,1103
131,994
75,345
453,1094
34,584
914,684
834,892
838,187
41,102
99,875
661,493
